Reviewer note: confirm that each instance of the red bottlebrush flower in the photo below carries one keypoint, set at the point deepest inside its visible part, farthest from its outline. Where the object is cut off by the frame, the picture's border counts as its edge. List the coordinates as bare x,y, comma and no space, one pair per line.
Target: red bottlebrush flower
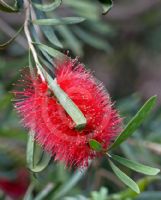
15,188
53,127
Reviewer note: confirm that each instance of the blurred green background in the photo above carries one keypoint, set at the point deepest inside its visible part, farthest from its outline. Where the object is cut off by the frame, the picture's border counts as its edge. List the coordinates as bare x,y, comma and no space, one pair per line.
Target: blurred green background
123,50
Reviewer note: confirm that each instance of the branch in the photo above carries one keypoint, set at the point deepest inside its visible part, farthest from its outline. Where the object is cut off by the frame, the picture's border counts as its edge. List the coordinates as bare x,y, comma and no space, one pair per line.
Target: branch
29,39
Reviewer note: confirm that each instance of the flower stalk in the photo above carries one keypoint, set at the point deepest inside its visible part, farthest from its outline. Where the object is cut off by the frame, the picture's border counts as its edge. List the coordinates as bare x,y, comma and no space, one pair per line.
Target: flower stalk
29,39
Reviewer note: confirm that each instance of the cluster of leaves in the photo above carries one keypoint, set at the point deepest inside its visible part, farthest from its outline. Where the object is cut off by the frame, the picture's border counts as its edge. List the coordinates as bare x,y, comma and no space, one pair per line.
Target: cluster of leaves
91,31
128,131
63,36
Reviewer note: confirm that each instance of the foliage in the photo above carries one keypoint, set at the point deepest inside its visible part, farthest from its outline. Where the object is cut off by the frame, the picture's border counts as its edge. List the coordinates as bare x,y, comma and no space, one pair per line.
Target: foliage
50,180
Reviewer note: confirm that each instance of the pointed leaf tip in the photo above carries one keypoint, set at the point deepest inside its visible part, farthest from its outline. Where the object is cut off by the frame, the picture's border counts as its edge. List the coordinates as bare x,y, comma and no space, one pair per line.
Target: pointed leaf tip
106,5
61,21
124,178
135,122
136,166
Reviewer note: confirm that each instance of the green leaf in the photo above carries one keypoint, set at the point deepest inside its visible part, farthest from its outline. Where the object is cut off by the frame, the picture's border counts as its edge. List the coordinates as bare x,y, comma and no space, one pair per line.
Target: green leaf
83,5
43,163
61,21
46,63
30,64
91,39
30,150
124,178
50,35
69,106
45,54
67,186
47,30
135,122
81,8
70,39
48,7
53,52
100,28
95,145
28,194
30,153
45,192
106,5
136,166
7,8
4,45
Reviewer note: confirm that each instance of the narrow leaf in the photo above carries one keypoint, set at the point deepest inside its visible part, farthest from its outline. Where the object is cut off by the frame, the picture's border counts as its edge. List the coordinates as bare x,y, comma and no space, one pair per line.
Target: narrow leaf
106,5
95,145
69,106
45,192
61,21
4,45
70,39
124,178
31,64
48,7
46,63
30,153
51,36
28,194
48,59
83,5
136,166
51,51
82,8
43,164
48,30
67,186
91,39
135,122
30,150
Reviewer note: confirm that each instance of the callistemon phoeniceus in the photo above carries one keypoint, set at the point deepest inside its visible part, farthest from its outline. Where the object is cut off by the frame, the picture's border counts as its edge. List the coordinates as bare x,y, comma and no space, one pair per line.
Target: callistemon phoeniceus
54,129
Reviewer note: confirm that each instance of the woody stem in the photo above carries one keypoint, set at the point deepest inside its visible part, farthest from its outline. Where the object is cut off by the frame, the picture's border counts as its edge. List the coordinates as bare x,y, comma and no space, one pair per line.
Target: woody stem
29,39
